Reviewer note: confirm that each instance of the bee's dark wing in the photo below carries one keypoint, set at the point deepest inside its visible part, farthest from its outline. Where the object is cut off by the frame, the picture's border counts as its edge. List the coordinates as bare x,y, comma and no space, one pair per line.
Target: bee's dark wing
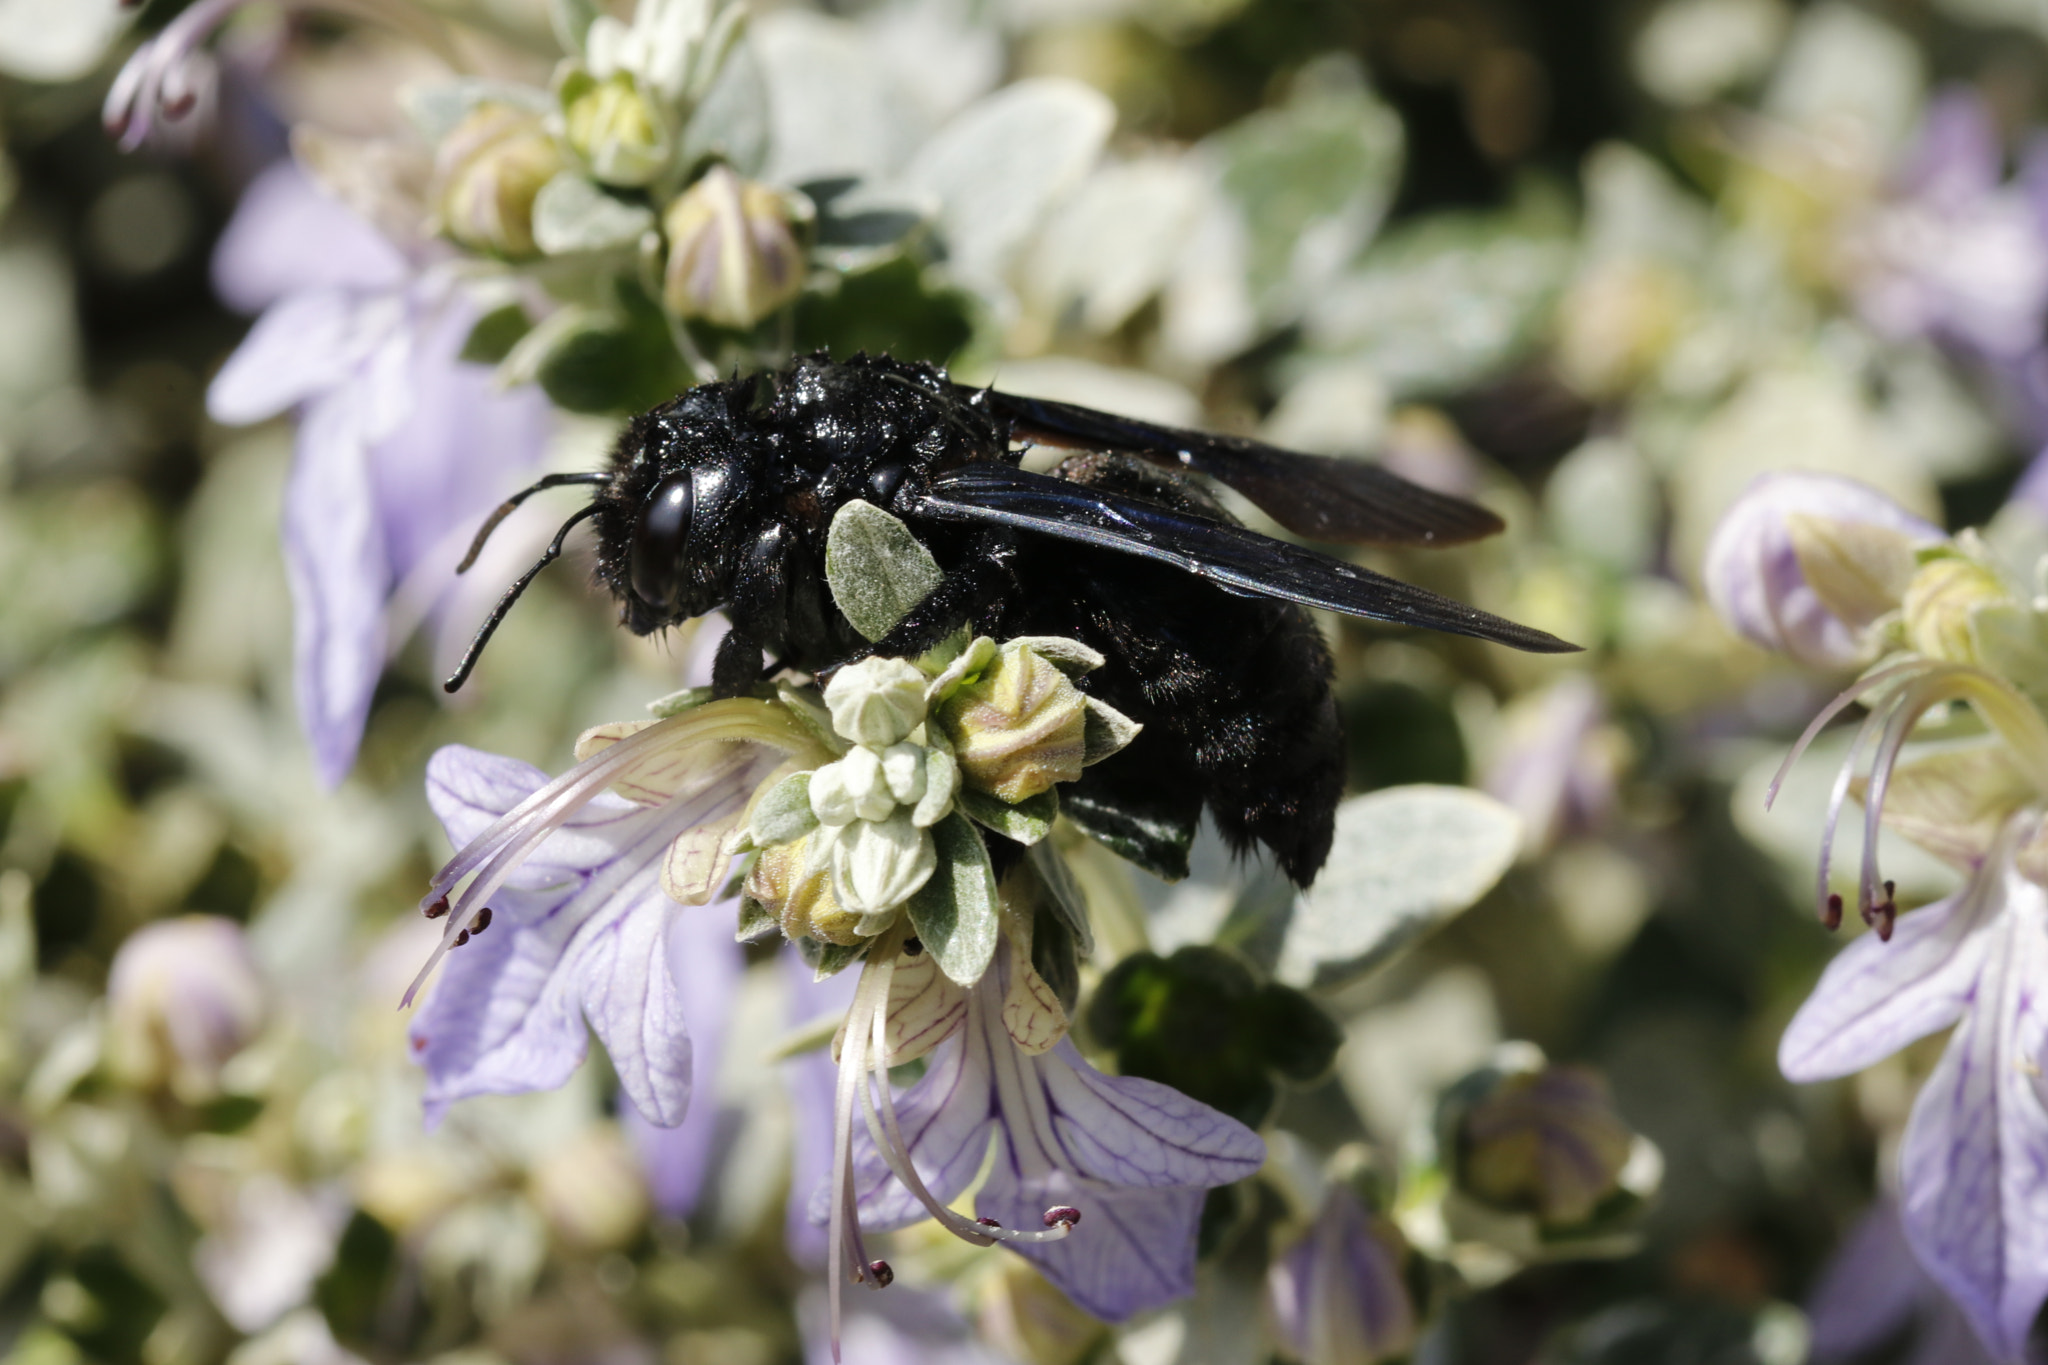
1314,496
1234,558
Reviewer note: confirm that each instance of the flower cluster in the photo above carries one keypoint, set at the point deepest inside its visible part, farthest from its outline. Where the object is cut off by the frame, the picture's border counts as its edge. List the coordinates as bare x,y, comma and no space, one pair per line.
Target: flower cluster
1939,623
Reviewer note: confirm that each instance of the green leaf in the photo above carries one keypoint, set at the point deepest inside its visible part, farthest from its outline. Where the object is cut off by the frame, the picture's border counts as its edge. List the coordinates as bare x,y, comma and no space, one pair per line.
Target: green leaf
1104,731
1054,954
895,308
877,569
571,20
601,362
784,813
1312,180
495,334
1405,860
1064,894
1027,822
757,925
829,959
954,913
1153,830
1298,1040
572,213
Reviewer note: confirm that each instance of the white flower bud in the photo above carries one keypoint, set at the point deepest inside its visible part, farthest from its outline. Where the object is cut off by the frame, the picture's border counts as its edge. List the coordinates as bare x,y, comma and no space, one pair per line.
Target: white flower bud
867,784
182,998
941,785
903,768
878,865
876,701
832,799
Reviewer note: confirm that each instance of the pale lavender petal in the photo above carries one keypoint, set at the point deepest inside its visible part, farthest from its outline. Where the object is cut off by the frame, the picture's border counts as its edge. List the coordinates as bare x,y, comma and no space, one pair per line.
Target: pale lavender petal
309,344
1974,1159
904,1326
462,445
1875,997
334,556
945,1120
289,236
1874,1291
1752,576
706,964
1957,157
509,1011
1131,1131
1133,1250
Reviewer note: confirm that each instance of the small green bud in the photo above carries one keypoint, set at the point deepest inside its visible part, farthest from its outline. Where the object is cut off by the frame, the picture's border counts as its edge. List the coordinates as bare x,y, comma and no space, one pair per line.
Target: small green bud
1941,604
615,129
1018,729
733,256
486,175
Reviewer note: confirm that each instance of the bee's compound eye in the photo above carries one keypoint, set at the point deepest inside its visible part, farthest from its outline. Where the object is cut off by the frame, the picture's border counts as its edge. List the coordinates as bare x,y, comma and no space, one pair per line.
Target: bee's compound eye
656,567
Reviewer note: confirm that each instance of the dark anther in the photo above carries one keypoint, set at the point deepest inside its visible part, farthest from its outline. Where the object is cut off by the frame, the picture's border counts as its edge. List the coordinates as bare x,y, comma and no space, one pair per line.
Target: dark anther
180,104
1063,1213
462,938
1831,916
988,1222
482,921
437,909
883,1275
912,947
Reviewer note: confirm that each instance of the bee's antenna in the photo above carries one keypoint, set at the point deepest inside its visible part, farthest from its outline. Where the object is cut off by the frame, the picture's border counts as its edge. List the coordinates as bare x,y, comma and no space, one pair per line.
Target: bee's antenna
490,625
505,509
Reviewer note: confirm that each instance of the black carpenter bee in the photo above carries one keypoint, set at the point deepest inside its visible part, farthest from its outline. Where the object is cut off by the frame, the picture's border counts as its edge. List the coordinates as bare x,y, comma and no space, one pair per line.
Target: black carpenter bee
721,498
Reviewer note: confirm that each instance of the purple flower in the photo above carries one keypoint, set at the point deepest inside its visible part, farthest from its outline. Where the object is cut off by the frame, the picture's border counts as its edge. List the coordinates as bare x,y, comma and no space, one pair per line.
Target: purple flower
1954,253
1554,769
578,888
1973,1182
1805,563
401,446
1873,1292
1340,1295
1128,1160
705,965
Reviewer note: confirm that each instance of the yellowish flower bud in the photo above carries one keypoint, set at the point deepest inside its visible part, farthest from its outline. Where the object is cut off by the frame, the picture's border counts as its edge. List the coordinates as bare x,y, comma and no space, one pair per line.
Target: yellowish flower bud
795,886
733,256
1018,729
615,129
876,701
486,175
1940,603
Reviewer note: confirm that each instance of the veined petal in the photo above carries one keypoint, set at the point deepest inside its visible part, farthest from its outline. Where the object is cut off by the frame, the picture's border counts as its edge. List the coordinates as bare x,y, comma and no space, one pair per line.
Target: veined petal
1131,1131
1133,1251
945,1119
335,558
306,345
288,236
1876,997
1974,1184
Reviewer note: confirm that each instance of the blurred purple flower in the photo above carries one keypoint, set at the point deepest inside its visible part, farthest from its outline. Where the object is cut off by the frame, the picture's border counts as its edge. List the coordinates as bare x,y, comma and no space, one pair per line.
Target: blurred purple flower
401,446
580,932
1137,1158
1973,1184
1954,252
1753,574
1340,1296
903,1327
1874,1292
1553,769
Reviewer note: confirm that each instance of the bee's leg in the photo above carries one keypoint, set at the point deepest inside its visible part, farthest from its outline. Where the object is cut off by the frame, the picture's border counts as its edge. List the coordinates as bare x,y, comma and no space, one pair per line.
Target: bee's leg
737,665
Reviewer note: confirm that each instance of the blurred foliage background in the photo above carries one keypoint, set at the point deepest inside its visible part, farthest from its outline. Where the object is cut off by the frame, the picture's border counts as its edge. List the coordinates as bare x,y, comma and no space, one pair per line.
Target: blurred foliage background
1594,262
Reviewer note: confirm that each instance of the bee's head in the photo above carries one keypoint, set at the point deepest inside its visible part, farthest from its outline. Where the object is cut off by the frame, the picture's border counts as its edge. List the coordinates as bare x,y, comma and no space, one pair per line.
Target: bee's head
671,521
